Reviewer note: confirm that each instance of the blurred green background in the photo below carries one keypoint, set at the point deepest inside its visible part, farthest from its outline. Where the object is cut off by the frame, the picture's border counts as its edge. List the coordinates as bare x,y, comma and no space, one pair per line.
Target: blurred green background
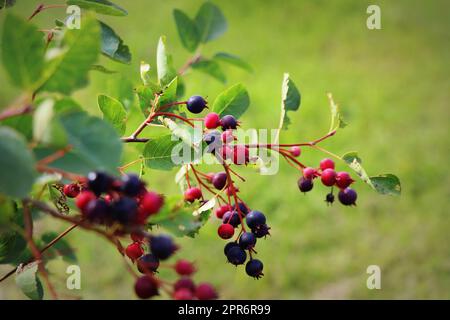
393,87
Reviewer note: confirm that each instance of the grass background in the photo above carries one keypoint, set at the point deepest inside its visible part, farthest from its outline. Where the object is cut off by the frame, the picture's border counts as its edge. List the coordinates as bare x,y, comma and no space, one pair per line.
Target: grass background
393,87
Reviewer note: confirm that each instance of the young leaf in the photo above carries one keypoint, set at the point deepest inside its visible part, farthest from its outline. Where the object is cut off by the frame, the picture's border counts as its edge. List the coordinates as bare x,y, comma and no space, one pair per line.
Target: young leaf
67,70
166,71
100,6
234,101
16,164
28,282
187,30
146,94
211,68
22,52
211,22
169,95
113,46
113,112
158,152
232,59
144,71
290,100
336,118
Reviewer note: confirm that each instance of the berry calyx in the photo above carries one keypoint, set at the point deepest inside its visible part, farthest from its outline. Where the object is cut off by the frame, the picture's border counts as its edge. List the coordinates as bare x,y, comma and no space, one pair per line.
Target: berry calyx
236,256
196,104
231,217
305,184
261,231
296,151
162,246
146,287
184,268
212,120
219,180
192,194
184,283
183,294
151,202
343,179
326,164
221,210
328,177
205,291
71,190
134,251
83,199
147,263
254,268
226,231
240,154
247,240
347,196
309,173
228,122
255,219
99,182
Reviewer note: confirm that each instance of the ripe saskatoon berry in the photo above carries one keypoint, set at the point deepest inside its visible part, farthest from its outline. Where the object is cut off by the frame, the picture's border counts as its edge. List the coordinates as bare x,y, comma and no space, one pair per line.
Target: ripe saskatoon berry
347,196
343,179
99,182
212,120
221,210
261,231
254,268
146,287
247,240
236,256
148,263
205,291
305,184
96,210
243,208
329,198
231,217
228,246
71,190
192,194
184,283
326,164
162,246
83,199
225,231
196,104
184,268
227,136
124,210
228,122
328,177
131,185
309,173
183,294
134,250
219,180
151,202
296,151
240,154
255,219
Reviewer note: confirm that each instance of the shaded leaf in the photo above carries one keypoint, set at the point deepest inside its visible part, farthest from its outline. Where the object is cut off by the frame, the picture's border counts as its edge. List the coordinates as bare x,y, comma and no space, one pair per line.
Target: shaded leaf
61,248
211,22
28,282
187,30
232,59
100,6
113,112
211,68
112,45
290,100
387,184
336,118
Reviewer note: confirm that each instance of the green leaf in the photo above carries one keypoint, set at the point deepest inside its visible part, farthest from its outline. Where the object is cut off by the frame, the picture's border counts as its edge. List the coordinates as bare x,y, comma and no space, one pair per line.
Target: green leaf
169,95
211,68
211,22
113,112
186,133
113,46
232,59
336,118
164,64
387,184
68,68
28,282
354,162
102,69
66,104
290,100
233,101
22,124
60,248
22,52
146,94
100,6
17,171
187,30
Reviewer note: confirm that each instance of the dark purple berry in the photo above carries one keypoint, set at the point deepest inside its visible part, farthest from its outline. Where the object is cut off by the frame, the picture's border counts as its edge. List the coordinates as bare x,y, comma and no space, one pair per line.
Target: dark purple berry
228,122
219,180
247,240
148,263
231,217
347,196
243,208
146,287
132,185
255,219
261,231
124,210
196,104
329,198
99,182
97,210
254,268
305,184
236,256
162,246
228,246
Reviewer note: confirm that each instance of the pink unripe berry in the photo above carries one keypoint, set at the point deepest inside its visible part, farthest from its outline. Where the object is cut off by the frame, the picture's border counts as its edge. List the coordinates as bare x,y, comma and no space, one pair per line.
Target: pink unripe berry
240,154
151,202
192,194
328,177
343,179
183,294
221,210
326,164
184,267
83,199
296,151
227,136
212,120
309,173
225,231
205,291
134,251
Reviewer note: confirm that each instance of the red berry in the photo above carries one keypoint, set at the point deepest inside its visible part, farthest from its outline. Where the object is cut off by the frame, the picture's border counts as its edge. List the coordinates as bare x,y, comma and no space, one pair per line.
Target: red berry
84,198
183,294
184,268
136,237
227,136
151,202
309,173
328,177
146,287
192,194
224,153
205,291
240,154
212,120
343,179
296,151
326,164
185,283
225,231
71,190
134,251
221,210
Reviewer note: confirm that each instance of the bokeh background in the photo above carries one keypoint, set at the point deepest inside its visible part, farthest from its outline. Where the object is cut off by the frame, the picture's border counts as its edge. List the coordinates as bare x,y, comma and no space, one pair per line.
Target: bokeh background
393,87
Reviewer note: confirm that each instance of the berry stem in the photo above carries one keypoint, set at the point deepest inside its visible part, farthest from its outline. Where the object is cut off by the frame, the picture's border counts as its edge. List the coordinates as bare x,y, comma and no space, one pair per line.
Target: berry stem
41,7
204,184
14,112
170,105
54,156
233,191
